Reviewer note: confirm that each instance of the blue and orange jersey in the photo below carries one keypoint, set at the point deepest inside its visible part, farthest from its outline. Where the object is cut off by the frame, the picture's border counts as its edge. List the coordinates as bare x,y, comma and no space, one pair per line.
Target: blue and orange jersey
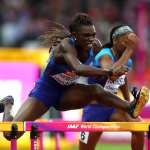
109,85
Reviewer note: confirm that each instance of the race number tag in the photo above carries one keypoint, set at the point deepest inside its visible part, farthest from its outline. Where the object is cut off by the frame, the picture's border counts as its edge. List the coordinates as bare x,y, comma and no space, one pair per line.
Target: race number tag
84,137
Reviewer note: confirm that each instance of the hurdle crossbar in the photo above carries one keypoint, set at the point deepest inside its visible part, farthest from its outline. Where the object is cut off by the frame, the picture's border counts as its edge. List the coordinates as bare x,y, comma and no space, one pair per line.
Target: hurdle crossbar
76,126
89,126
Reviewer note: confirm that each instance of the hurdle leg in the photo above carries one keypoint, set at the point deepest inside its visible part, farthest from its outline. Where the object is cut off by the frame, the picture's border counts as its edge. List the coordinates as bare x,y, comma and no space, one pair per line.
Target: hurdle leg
41,146
34,137
57,141
14,130
148,139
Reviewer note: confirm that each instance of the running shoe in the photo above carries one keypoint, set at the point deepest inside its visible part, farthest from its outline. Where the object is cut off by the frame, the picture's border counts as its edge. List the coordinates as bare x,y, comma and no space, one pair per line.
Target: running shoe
5,101
139,102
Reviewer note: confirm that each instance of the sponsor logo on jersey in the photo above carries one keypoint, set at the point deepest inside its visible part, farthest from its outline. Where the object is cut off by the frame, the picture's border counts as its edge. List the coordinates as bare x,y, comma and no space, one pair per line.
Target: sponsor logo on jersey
66,78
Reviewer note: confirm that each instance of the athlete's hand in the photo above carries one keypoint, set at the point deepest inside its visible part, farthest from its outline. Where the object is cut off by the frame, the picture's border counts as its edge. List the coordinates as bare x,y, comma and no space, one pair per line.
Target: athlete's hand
120,71
130,40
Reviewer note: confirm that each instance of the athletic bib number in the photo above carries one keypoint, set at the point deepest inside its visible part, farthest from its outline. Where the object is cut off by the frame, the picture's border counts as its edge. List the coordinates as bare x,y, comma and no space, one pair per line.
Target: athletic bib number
84,137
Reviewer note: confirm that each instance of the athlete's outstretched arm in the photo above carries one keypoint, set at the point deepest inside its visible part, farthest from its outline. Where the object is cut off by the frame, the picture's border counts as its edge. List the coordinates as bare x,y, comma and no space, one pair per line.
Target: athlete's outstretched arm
70,57
123,59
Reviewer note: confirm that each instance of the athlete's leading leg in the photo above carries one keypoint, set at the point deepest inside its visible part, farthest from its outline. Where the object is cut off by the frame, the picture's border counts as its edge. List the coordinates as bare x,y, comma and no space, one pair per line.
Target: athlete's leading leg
137,139
80,95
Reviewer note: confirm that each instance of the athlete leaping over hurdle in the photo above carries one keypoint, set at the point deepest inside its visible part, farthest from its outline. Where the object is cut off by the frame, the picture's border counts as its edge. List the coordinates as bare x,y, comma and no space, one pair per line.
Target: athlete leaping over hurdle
57,86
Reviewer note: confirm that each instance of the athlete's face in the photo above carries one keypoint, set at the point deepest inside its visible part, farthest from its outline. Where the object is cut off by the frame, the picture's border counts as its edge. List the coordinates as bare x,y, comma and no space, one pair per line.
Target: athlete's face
85,36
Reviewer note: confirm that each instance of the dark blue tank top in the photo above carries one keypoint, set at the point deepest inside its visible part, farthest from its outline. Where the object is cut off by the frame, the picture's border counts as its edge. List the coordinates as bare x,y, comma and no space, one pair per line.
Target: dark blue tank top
63,73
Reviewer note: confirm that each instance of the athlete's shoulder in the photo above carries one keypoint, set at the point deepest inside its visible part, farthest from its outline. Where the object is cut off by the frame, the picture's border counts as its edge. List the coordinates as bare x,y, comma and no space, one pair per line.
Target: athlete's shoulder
67,41
104,51
67,47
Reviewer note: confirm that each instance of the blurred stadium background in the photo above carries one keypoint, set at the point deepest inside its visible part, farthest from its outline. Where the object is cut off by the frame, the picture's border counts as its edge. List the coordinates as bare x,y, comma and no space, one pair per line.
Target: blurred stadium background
22,57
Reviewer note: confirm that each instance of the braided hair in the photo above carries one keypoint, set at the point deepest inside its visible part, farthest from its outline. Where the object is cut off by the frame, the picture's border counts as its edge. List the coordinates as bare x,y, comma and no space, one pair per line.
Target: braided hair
79,20
59,31
55,32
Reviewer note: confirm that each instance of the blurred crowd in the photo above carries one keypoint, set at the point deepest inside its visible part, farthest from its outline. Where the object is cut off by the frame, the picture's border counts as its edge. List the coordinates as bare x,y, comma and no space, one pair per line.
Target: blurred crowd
23,21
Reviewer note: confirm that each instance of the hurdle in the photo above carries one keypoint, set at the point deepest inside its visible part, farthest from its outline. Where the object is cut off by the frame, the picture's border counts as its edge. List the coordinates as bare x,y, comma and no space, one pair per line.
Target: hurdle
37,128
